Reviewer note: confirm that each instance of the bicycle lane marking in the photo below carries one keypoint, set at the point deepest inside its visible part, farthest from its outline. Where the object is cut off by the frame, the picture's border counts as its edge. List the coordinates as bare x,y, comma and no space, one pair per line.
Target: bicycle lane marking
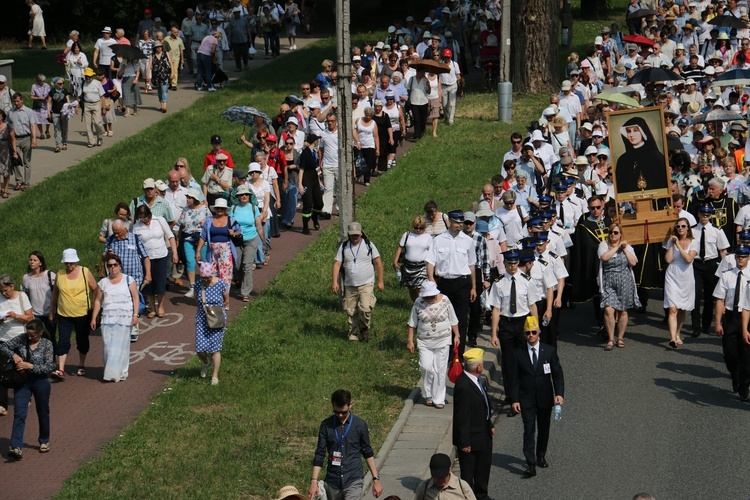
162,351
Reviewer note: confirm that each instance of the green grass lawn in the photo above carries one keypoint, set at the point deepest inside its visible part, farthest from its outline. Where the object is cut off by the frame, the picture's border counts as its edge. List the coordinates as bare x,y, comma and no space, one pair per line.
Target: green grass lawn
286,352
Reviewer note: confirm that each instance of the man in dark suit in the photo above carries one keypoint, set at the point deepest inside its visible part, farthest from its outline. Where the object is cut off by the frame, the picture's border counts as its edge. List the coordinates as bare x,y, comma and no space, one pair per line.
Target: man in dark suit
537,385
472,424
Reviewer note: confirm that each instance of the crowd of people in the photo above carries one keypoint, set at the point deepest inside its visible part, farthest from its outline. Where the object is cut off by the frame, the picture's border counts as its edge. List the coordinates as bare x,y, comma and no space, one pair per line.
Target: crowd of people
543,234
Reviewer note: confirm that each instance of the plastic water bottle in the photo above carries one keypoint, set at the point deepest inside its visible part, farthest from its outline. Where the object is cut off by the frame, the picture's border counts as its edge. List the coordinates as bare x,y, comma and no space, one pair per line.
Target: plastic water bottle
544,321
398,275
558,412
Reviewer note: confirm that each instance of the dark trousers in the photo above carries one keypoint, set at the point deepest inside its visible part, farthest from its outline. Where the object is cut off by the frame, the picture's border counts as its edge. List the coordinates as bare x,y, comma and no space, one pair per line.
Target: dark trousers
369,156
736,352
275,42
531,417
549,332
419,115
475,469
458,291
204,71
240,54
510,332
705,282
65,327
383,158
476,312
38,385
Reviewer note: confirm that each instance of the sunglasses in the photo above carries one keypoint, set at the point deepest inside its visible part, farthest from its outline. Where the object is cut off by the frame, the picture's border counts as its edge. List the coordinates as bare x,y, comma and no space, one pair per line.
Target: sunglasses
115,264
681,226
615,232
528,334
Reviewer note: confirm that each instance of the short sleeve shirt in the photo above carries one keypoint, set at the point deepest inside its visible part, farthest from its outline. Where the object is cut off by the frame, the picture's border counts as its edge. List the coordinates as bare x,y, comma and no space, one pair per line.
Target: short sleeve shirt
357,262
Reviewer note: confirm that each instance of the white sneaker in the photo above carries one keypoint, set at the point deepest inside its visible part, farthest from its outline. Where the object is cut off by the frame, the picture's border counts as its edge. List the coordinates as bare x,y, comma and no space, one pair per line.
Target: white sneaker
214,380
190,293
204,369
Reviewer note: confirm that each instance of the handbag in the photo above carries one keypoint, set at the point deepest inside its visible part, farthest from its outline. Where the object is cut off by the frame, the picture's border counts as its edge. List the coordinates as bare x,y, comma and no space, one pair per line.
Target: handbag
360,164
455,368
10,376
214,314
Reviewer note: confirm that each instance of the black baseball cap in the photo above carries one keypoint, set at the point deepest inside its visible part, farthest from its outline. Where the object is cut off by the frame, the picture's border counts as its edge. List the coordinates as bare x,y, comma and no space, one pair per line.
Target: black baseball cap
215,139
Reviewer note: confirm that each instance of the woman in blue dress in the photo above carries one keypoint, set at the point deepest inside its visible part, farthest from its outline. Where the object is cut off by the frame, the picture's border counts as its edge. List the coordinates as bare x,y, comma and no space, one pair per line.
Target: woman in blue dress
209,291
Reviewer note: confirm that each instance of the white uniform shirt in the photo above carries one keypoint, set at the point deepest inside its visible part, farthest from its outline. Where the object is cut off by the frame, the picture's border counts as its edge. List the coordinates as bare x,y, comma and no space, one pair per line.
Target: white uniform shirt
452,257
555,262
725,288
716,240
743,218
499,296
542,278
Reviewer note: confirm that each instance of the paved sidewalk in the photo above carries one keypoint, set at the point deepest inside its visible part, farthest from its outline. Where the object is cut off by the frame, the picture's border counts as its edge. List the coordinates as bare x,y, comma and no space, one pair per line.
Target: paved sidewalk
86,413
421,431
46,163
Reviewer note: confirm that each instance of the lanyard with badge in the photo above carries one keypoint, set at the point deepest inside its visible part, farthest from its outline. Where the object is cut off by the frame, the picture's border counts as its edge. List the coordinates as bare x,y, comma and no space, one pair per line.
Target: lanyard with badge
355,266
337,455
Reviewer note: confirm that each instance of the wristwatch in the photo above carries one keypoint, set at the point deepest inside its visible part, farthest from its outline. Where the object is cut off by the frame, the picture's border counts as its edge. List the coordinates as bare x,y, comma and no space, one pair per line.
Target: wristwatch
376,478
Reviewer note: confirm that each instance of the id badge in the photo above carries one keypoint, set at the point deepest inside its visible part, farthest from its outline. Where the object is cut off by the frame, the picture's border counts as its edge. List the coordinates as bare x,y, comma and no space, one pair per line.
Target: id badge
547,369
336,460
355,267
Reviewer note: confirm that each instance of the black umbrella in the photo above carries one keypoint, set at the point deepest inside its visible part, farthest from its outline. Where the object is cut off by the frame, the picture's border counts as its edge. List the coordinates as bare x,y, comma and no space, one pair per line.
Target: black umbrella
673,144
727,22
641,13
128,52
647,75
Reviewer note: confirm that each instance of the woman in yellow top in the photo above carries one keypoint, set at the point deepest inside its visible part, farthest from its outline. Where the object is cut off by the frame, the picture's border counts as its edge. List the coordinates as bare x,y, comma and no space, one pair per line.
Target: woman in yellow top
71,306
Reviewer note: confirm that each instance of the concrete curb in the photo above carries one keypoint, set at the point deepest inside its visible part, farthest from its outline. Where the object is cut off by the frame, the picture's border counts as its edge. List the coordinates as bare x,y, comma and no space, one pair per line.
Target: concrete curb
403,417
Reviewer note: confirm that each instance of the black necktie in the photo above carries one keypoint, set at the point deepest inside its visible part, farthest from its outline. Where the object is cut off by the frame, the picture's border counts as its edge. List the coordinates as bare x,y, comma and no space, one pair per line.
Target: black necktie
533,357
513,307
737,288
702,253
562,215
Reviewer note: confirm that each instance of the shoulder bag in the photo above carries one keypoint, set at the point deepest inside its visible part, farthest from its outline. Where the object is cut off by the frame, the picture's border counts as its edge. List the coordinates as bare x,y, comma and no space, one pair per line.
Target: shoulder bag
10,376
214,314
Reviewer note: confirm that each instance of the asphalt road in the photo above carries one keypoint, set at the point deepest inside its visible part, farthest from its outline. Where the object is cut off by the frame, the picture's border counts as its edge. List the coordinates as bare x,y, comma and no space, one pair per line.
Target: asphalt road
642,418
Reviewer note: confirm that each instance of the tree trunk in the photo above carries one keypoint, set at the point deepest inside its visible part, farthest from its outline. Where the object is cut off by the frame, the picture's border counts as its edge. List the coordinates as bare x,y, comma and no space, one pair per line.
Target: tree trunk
535,37
594,9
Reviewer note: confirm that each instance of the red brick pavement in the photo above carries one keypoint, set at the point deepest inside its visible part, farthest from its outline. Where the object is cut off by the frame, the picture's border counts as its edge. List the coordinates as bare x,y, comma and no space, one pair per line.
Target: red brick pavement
87,414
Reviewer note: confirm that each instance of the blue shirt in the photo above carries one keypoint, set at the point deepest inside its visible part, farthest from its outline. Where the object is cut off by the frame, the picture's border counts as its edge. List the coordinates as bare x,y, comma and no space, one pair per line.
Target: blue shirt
245,217
131,251
353,441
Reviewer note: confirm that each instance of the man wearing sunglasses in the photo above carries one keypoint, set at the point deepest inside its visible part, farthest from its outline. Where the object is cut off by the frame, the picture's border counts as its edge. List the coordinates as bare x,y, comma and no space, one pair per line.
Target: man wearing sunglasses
538,384
345,438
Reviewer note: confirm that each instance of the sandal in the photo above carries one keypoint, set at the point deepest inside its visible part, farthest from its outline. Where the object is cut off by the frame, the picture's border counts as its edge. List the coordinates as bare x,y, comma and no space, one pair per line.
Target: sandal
160,314
47,136
44,448
65,147
17,187
15,453
673,344
152,314
81,371
429,402
620,343
6,195
57,150
439,407
59,375
609,345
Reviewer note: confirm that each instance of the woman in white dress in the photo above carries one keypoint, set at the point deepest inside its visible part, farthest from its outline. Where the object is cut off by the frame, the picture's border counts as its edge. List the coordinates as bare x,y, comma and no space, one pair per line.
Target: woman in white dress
679,282
36,24
434,319
116,297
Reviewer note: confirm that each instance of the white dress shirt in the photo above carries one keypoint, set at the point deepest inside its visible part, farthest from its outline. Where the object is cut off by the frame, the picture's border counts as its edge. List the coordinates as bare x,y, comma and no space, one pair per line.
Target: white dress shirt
526,296
452,257
716,240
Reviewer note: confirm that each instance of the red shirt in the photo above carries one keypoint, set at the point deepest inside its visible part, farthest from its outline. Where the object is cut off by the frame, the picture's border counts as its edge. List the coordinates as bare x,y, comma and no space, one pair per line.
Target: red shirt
210,159
277,160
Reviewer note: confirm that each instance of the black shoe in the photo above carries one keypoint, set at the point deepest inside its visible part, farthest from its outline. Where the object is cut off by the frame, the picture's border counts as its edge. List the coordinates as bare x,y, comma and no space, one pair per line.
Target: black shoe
324,216
542,462
530,472
472,342
745,398
316,226
641,310
512,413
696,333
306,231
735,387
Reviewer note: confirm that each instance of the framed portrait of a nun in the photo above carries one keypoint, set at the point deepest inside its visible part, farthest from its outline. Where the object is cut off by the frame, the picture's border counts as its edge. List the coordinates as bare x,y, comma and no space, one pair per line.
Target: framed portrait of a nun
638,146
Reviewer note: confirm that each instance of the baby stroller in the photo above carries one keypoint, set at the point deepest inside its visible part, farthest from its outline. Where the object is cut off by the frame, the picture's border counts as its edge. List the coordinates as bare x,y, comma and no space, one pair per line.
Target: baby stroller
219,79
